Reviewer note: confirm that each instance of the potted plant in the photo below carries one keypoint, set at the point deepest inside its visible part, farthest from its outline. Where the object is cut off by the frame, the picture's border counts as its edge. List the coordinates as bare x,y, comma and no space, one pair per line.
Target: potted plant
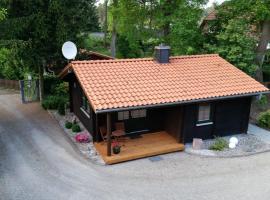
116,147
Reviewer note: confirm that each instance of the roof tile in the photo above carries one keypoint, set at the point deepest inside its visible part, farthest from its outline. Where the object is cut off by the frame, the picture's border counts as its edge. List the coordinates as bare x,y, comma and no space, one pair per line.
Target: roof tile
135,82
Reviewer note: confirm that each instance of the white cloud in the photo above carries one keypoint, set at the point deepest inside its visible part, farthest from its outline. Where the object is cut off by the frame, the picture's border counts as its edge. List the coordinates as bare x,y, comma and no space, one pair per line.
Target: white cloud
211,2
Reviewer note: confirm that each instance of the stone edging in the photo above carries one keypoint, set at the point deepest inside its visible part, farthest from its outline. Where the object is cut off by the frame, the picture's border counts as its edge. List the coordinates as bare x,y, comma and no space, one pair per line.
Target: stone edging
74,144
232,156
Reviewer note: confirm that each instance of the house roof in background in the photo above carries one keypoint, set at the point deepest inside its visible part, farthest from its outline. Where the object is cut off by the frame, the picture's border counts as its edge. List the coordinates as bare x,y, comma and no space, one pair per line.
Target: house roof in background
126,83
88,55
211,16
96,55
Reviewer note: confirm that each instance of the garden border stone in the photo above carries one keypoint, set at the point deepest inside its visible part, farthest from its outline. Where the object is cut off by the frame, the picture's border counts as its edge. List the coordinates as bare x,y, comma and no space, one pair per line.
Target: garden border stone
87,150
249,144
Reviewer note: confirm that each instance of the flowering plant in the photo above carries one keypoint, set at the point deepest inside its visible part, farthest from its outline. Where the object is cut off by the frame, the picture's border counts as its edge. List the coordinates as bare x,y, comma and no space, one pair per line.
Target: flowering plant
116,147
115,144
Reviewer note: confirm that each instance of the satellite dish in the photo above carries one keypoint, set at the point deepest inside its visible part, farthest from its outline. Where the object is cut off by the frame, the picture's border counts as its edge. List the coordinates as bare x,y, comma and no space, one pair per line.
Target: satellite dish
69,50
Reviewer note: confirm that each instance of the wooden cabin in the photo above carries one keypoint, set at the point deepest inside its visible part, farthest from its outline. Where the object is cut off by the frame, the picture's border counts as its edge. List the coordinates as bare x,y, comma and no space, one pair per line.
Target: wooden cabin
162,102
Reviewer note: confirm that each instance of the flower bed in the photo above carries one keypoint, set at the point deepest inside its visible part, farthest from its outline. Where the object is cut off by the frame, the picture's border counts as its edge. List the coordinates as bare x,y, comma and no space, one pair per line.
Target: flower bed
79,136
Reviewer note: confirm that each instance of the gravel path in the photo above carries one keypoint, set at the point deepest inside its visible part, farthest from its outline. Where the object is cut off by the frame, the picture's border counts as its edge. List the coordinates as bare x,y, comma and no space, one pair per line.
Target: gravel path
38,162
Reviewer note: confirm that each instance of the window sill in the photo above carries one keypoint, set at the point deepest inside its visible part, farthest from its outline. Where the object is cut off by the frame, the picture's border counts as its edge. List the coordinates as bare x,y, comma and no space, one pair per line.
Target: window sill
204,124
86,114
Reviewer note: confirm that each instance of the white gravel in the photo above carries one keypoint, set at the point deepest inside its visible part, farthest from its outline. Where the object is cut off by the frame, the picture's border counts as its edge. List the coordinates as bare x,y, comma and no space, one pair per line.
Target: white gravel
88,150
248,144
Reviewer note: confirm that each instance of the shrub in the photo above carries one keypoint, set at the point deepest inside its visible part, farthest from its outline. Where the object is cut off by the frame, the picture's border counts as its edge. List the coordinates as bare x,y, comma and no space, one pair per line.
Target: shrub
68,125
264,119
76,128
52,102
61,108
50,83
61,89
263,101
219,144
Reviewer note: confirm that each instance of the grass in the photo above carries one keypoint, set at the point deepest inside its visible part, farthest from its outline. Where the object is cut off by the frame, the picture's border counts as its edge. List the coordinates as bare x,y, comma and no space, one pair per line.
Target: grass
219,144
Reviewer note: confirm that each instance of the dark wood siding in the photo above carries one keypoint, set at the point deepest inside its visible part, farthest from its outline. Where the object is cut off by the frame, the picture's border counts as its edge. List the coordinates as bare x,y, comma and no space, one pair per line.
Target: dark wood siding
173,122
76,102
229,117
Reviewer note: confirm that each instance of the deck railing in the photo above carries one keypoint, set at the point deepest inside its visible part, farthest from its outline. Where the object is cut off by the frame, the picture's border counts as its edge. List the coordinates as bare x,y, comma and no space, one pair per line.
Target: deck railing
10,84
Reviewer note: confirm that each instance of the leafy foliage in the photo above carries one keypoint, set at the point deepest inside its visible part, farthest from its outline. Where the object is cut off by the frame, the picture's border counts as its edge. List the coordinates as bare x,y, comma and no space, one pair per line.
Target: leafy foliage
141,25
219,144
236,45
10,65
263,102
39,28
251,17
52,102
3,13
68,125
76,128
264,119
95,44
61,108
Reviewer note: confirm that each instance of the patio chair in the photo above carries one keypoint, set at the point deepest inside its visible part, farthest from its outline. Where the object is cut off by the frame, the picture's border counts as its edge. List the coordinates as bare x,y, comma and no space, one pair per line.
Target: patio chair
119,130
103,133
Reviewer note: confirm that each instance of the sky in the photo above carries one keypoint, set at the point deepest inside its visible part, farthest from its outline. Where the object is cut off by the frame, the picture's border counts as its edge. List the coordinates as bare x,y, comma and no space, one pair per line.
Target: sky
209,4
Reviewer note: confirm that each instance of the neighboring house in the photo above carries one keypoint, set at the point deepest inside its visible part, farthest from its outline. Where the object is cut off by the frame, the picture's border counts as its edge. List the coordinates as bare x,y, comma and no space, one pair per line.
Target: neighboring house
198,96
92,55
211,16
83,54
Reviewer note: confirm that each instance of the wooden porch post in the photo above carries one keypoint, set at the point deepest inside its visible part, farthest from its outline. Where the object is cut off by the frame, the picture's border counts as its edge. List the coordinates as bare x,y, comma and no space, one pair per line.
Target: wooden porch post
109,132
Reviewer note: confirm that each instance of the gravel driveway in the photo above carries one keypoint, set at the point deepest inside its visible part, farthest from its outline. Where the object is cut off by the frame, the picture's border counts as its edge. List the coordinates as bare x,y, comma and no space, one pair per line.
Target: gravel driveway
38,162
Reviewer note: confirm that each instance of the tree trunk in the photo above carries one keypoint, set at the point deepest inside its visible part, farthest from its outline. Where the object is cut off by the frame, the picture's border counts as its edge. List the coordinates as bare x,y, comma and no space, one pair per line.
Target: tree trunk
41,83
105,22
262,48
114,32
167,9
113,42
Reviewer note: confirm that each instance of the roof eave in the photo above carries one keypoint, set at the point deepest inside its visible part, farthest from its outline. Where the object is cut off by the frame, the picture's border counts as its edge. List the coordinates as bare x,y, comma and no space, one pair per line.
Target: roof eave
65,71
180,102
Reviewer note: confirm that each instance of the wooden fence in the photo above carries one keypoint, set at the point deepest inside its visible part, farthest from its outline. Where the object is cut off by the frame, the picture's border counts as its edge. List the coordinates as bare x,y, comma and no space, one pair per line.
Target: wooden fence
10,84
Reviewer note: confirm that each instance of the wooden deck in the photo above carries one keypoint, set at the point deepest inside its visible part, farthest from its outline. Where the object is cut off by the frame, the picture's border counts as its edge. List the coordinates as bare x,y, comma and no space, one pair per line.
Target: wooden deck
149,144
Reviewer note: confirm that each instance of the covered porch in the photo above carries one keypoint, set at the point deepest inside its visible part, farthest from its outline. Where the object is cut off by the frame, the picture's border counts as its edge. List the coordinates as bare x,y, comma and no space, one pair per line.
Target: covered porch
148,144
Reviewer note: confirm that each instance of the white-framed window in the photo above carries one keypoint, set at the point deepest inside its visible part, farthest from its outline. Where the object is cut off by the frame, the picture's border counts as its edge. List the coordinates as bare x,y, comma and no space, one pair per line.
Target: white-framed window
85,105
204,112
123,115
138,113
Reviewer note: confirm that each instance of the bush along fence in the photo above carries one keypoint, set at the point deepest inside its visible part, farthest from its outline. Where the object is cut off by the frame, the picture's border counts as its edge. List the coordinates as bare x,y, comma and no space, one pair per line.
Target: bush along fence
29,90
10,84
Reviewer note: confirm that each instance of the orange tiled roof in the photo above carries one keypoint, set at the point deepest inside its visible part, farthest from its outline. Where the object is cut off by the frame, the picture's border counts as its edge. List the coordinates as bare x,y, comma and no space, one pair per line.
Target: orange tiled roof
211,15
122,83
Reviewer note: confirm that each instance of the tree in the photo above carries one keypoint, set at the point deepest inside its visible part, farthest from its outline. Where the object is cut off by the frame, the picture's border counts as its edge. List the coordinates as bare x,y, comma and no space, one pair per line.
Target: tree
43,26
144,24
256,13
236,47
2,13
114,27
185,36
